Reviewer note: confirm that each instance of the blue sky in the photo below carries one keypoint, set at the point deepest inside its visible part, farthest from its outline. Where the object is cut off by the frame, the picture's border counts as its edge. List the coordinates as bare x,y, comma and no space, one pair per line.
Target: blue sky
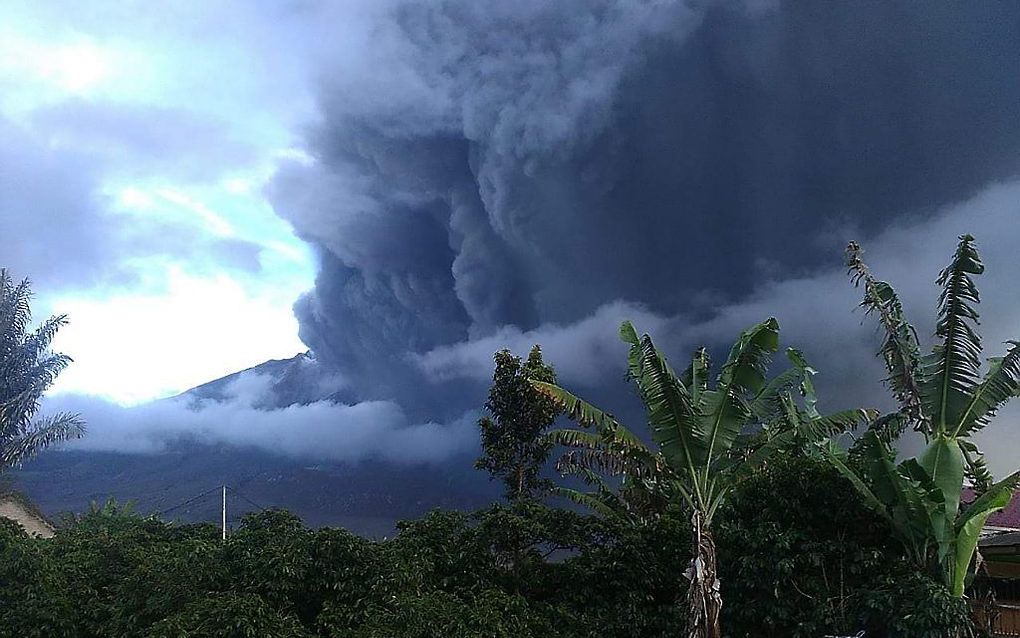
169,128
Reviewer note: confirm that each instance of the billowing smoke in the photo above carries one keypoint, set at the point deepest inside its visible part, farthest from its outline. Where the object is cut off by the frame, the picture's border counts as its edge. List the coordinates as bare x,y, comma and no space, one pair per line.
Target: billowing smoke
534,171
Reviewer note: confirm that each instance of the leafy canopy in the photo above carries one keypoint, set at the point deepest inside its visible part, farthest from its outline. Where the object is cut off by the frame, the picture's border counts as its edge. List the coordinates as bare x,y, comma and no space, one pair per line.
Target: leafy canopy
704,439
512,444
27,369
708,438
945,396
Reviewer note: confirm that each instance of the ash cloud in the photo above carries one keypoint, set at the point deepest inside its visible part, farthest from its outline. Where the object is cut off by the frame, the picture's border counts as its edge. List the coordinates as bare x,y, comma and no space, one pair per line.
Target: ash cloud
506,171
483,175
818,313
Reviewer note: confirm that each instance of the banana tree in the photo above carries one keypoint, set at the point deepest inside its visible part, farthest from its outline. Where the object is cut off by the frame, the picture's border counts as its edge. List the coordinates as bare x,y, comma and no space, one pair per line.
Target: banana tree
703,444
945,397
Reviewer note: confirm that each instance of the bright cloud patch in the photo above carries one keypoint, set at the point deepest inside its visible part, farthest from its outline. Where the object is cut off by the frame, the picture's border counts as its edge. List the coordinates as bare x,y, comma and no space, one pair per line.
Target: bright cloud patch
132,347
328,431
585,352
132,167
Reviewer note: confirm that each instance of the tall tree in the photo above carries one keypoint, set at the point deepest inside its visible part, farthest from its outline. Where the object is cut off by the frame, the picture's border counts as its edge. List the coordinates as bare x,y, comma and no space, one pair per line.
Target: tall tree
514,449
27,369
704,435
945,396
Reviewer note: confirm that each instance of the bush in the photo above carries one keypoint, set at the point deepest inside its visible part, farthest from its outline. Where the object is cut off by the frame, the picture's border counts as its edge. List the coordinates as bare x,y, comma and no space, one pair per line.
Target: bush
902,603
33,598
229,615
801,556
793,565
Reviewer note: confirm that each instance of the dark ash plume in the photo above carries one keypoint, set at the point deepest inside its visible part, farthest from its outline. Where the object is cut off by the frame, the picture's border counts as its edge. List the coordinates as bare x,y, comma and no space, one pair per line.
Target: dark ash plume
521,164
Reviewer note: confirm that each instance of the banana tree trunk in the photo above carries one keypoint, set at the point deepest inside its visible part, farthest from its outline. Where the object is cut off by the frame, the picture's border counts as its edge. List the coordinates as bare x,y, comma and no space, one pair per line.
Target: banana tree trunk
703,597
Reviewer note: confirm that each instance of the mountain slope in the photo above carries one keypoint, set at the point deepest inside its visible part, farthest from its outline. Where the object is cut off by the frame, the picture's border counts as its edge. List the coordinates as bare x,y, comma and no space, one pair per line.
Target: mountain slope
367,497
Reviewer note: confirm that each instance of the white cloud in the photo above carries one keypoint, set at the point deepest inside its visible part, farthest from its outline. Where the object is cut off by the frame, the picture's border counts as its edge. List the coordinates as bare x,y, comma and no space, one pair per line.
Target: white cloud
319,431
132,347
139,210
587,352
37,71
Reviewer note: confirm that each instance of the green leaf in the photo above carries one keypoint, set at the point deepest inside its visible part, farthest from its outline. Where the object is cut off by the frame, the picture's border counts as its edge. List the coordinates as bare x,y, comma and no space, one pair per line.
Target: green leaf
18,448
970,524
943,462
595,501
1001,383
951,372
612,448
747,363
671,414
807,385
574,408
990,499
628,334
908,498
835,456
835,423
976,468
723,412
767,404
699,375
888,427
744,468
575,438
900,350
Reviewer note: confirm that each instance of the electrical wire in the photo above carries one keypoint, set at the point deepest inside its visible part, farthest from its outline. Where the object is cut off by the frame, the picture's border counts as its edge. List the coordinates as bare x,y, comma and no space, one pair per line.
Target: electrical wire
188,501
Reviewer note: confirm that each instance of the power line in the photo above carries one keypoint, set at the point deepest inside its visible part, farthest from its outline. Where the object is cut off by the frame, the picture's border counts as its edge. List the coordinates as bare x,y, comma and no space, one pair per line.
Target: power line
189,501
210,491
248,500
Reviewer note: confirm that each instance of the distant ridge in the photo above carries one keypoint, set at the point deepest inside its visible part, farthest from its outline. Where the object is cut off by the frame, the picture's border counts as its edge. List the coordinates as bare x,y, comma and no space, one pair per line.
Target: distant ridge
366,497
299,379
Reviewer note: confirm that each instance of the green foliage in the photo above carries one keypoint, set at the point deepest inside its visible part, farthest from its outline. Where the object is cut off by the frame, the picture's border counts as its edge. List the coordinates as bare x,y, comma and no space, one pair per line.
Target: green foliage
806,557
489,614
271,556
27,369
525,570
228,615
903,603
708,439
514,450
796,540
804,540
944,396
900,349
796,563
704,448
34,599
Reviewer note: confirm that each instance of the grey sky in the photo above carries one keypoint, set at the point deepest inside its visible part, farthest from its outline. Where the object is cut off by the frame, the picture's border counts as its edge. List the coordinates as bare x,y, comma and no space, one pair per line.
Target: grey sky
460,176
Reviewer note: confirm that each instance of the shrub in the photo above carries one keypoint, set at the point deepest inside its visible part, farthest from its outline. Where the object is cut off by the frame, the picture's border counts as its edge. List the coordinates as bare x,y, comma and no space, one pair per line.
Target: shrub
797,545
903,603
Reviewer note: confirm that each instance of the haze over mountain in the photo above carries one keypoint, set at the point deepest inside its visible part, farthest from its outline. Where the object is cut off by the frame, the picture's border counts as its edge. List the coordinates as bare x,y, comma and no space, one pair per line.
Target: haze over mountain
201,439
469,176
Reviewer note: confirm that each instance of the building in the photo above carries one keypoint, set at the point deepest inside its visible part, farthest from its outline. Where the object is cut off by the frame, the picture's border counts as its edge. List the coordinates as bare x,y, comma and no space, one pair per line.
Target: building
999,548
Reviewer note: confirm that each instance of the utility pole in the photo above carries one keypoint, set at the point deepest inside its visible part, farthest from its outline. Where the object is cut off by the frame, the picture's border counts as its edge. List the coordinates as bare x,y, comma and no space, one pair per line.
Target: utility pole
224,512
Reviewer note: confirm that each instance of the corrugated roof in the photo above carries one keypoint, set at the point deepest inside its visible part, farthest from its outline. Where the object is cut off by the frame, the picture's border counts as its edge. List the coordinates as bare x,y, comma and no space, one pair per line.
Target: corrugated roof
1003,539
